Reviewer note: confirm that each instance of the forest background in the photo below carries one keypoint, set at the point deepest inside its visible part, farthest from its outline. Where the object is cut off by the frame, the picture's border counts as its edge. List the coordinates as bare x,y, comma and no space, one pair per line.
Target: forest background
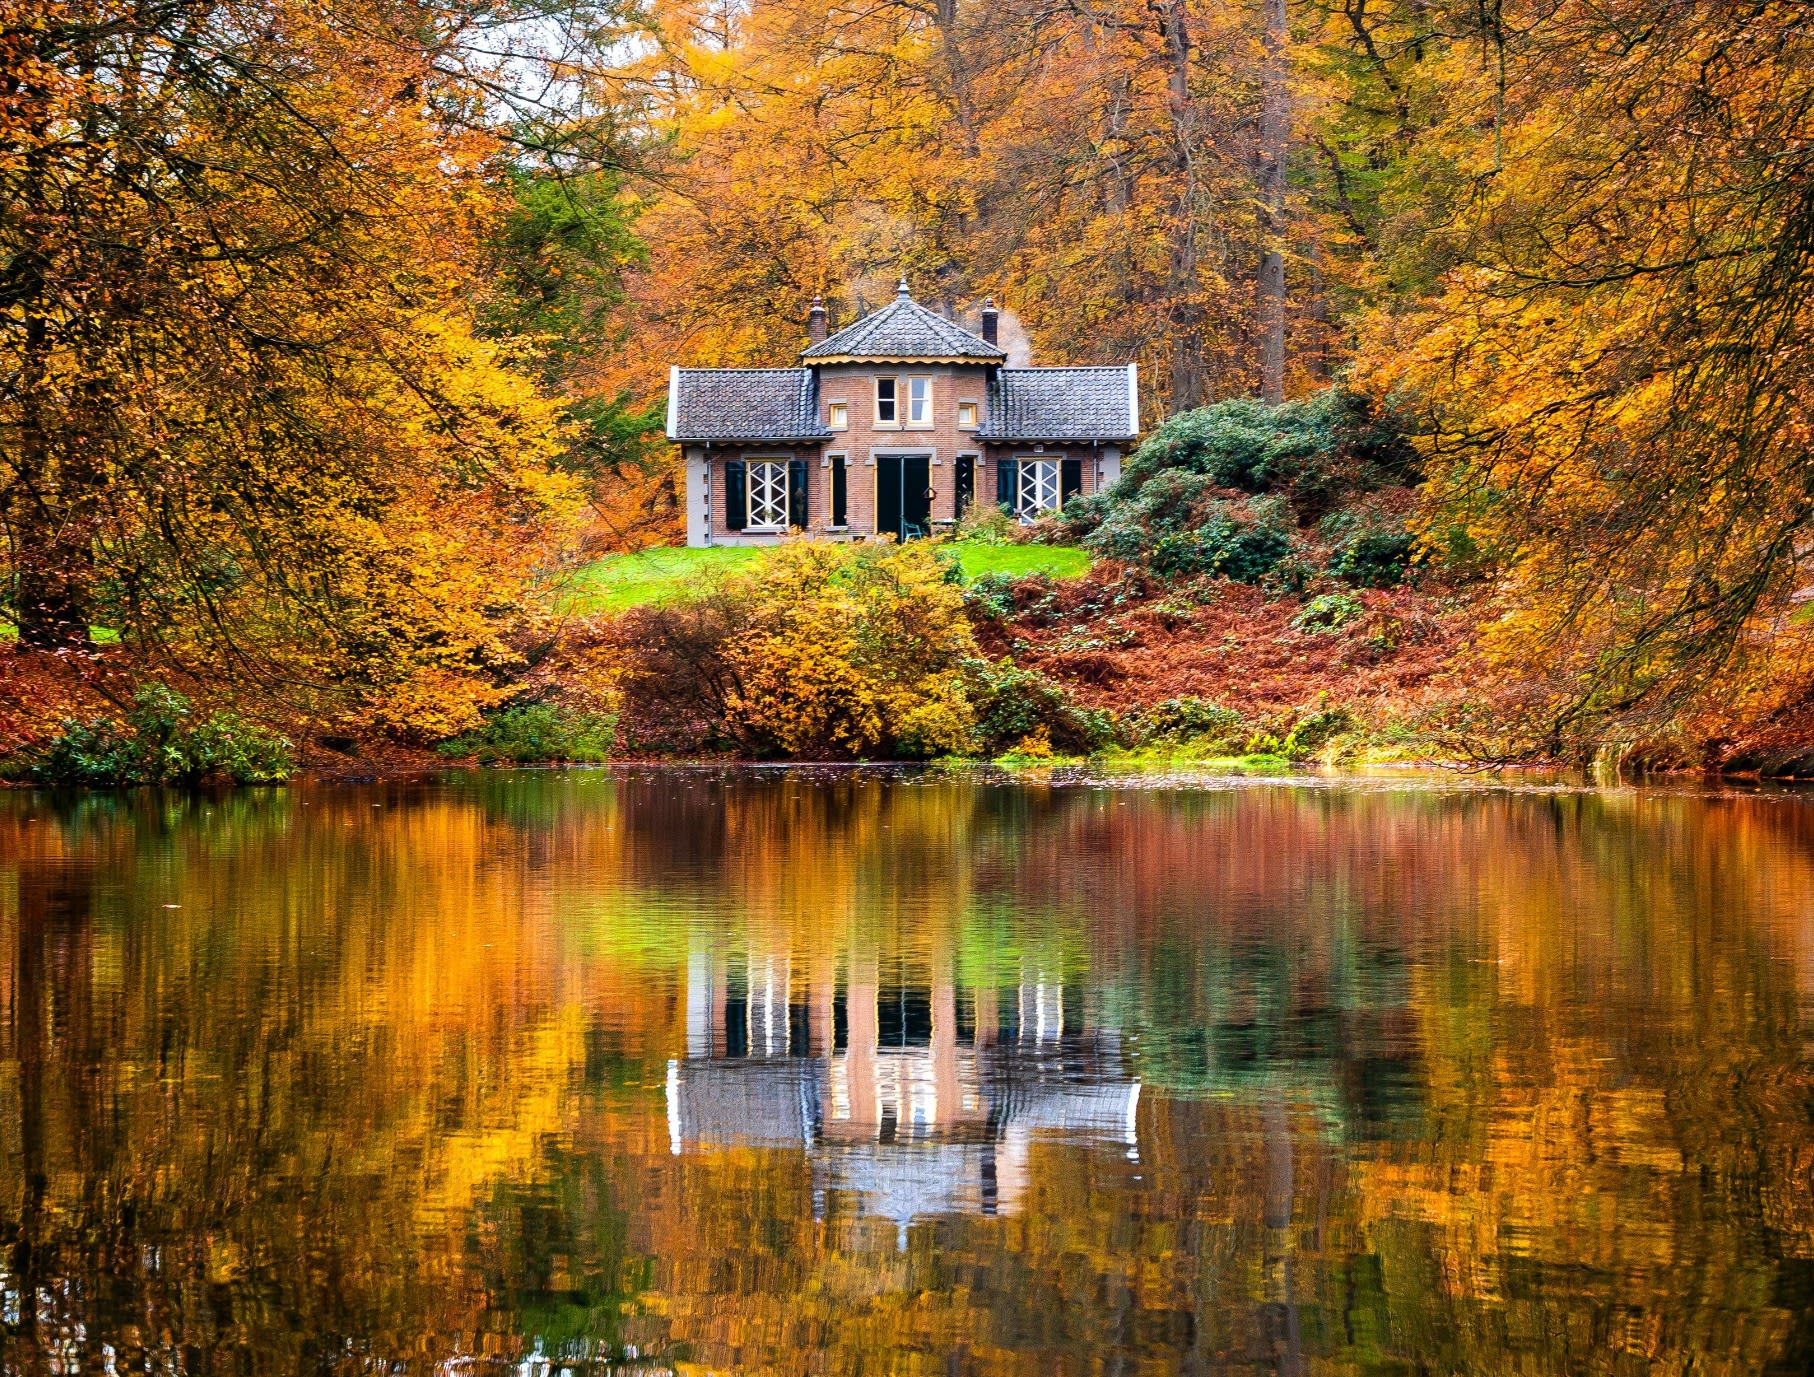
334,334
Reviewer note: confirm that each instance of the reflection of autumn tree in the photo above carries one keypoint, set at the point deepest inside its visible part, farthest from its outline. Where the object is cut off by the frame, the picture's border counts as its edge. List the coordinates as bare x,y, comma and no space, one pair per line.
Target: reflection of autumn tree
1482,1082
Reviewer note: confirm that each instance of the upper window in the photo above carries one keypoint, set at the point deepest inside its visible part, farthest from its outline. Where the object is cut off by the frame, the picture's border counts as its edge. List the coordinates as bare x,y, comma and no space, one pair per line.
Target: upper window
837,415
919,401
888,406
966,415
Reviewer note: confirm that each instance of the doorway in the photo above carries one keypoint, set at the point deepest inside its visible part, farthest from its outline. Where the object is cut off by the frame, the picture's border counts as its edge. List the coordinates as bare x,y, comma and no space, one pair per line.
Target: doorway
903,495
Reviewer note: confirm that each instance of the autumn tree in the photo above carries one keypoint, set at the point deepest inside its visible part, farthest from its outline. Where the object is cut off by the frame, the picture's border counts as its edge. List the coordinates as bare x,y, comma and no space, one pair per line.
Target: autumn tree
1615,368
1125,175
244,418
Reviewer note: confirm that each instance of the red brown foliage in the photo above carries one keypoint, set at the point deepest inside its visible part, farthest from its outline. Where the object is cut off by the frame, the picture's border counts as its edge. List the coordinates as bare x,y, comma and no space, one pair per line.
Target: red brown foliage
1119,638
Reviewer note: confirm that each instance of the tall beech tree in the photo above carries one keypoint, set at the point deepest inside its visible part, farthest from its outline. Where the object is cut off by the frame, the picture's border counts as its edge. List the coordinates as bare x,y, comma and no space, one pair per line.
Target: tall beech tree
244,418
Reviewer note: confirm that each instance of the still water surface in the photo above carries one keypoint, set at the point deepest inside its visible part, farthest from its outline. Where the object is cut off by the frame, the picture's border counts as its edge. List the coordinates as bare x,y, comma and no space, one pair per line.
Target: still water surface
803,1071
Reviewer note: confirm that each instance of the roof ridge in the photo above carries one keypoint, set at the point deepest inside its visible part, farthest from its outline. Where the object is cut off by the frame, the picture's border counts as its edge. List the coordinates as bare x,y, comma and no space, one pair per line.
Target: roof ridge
920,332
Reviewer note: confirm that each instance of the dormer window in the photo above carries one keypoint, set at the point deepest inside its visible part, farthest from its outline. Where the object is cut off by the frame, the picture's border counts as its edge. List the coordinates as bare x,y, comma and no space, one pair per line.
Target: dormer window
837,415
967,415
919,401
888,402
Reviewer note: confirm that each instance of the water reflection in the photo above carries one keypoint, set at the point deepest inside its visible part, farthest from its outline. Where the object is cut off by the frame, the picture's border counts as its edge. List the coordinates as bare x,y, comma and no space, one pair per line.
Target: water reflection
811,1071
915,1100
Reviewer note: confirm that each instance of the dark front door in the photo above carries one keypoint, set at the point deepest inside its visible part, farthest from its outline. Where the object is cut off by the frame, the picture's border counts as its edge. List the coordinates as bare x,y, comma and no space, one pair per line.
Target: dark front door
903,495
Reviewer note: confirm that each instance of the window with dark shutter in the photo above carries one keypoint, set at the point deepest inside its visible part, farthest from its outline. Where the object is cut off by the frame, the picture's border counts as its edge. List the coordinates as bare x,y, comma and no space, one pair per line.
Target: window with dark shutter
966,483
1005,479
839,482
1070,480
736,497
799,515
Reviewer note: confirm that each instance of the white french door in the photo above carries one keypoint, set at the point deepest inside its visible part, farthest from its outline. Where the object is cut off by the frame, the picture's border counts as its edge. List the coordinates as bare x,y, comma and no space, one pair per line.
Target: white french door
1038,482
768,497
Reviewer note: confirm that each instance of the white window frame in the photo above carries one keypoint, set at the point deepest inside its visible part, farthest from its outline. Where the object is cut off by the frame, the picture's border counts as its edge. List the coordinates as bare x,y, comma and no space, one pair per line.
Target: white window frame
837,415
767,489
1037,476
891,422
973,411
916,418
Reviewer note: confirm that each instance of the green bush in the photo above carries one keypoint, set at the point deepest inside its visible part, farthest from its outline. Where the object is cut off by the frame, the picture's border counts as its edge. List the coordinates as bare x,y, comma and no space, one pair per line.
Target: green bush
158,742
1013,704
1169,503
1183,721
536,732
1329,612
1240,550
1314,731
1374,558
990,597
987,524
1319,447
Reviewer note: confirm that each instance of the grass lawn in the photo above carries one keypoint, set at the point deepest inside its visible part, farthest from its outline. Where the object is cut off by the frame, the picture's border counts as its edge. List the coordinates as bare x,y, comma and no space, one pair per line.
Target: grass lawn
617,582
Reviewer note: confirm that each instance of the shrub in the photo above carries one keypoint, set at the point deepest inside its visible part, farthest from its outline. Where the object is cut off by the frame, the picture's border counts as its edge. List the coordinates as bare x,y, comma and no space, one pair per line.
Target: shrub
1223,544
1016,708
1329,612
1373,558
158,741
1167,505
1183,721
534,732
988,524
1314,731
1321,447
856,650
990,596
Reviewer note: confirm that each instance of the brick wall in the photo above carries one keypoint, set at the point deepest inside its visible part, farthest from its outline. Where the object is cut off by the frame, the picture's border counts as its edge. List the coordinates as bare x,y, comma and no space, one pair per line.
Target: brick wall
859,441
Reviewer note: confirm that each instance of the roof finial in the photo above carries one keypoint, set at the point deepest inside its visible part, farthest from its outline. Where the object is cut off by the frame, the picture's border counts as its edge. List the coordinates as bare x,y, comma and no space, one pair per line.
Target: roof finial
901,288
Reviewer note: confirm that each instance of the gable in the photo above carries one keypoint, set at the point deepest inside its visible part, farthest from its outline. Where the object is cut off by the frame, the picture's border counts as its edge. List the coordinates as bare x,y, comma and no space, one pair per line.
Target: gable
904,332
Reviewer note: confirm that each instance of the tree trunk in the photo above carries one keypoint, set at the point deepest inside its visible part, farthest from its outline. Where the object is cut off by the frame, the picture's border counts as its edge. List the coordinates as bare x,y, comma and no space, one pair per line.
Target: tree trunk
1275,134
53,568
1183,291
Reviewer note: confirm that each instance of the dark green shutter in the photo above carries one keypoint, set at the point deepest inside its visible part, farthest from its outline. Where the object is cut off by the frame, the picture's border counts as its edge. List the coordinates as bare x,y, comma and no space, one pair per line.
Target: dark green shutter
966,483
798,512
1004,484
736,497
1070,480
839,482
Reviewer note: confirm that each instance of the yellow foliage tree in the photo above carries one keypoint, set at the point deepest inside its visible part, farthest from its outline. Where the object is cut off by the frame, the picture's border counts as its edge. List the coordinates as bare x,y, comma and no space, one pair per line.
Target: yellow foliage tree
246,420
856,651
1618,377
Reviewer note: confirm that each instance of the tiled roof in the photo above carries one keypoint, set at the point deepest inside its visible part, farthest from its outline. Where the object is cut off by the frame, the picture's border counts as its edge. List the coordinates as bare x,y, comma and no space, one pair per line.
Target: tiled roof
1062,404
904,329
721,404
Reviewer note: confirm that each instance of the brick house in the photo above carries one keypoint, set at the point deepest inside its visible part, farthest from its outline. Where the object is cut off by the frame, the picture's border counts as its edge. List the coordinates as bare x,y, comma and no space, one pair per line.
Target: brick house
893,425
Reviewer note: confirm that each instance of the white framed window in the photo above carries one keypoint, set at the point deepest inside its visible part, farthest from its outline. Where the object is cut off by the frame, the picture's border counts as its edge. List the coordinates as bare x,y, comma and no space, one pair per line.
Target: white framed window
768,495
919,401
888,401
837,415
967,415
1037,488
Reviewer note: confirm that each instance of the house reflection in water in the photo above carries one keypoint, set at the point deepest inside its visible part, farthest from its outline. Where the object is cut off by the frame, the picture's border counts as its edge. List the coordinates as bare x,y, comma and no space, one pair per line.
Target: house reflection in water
920,1098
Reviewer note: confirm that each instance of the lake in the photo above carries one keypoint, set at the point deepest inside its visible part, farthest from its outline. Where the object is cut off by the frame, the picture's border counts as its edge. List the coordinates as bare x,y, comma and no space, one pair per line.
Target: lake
814,1070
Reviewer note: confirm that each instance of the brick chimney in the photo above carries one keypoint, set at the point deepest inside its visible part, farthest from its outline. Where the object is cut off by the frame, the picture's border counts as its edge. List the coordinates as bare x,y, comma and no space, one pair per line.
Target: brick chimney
990,317
816,323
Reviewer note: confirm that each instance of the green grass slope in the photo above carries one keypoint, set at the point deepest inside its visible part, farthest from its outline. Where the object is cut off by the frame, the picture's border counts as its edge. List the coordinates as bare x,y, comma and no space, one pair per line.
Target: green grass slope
619,582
